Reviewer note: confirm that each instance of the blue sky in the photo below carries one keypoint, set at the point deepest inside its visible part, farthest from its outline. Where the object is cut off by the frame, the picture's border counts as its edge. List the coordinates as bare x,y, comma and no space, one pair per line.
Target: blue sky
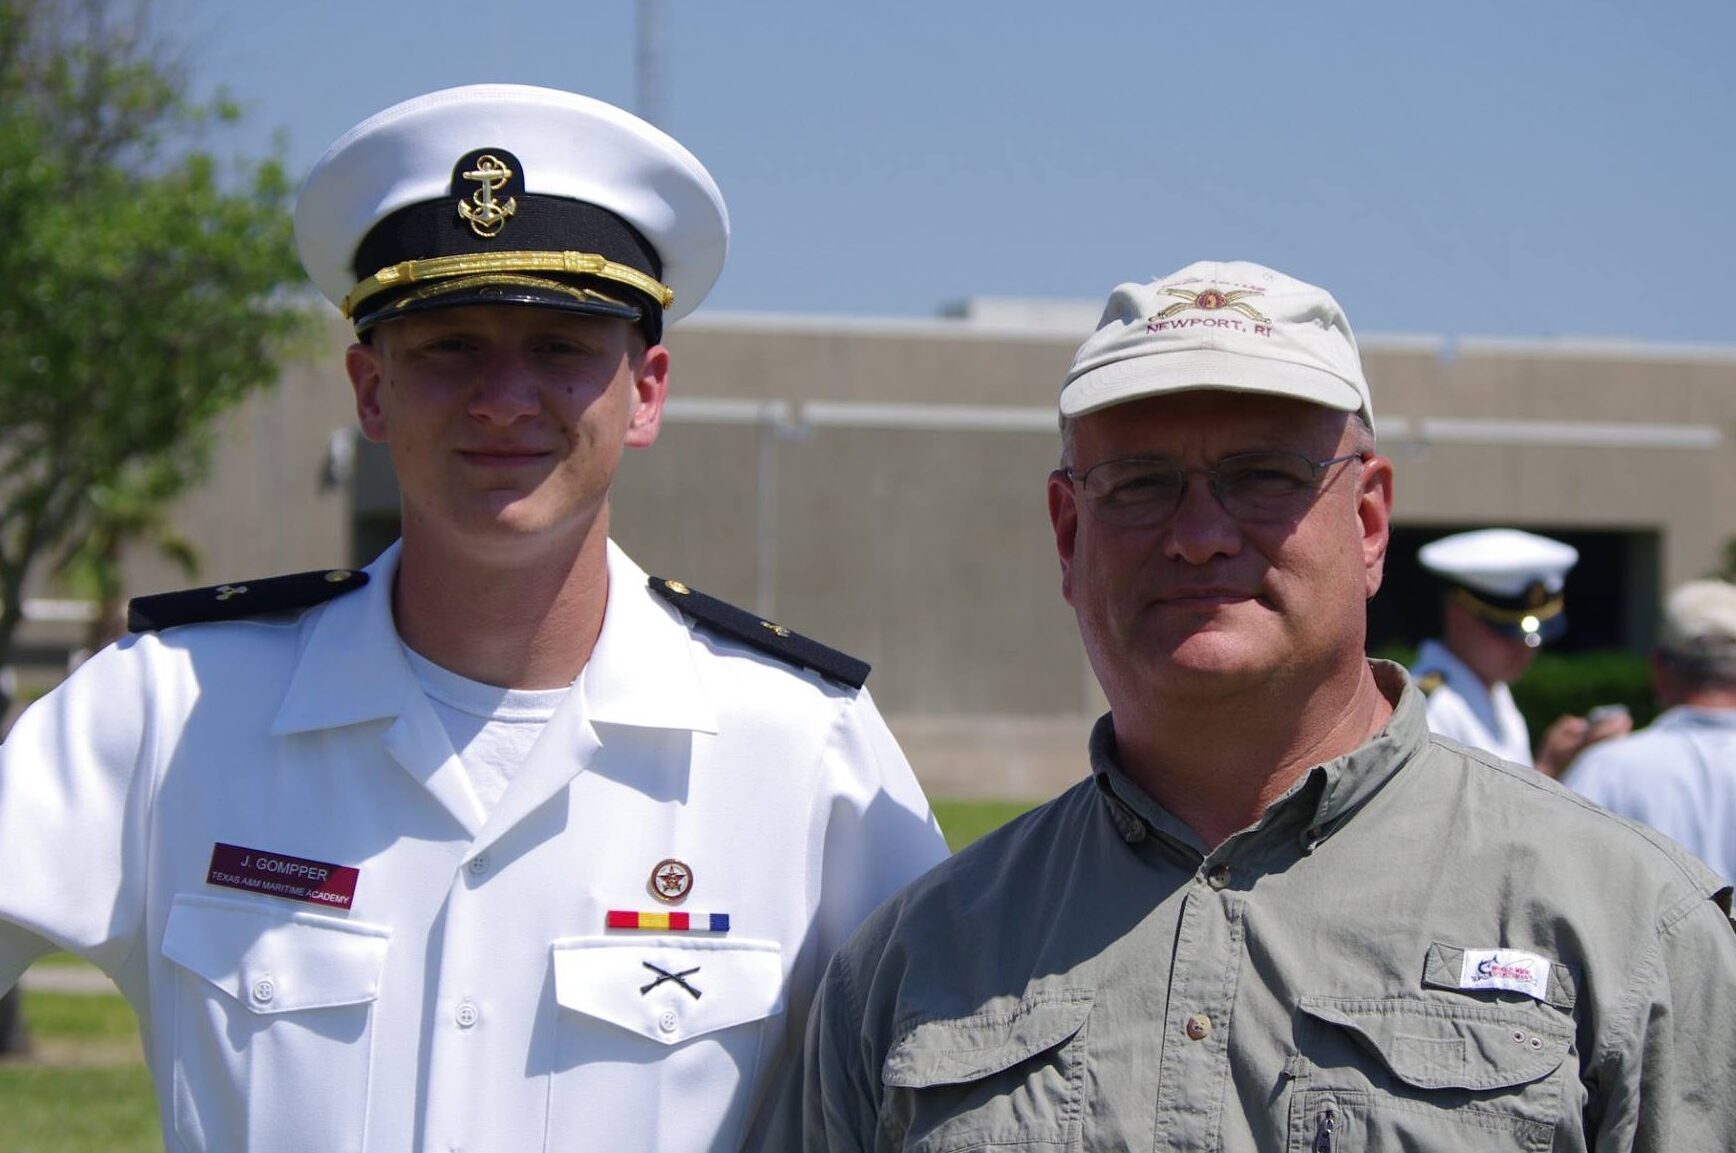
1557,168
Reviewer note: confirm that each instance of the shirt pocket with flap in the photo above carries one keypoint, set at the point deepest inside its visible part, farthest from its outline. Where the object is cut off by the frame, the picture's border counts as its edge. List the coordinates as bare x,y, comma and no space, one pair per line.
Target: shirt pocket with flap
273,1027
1413,1072
643,1019
1009,1075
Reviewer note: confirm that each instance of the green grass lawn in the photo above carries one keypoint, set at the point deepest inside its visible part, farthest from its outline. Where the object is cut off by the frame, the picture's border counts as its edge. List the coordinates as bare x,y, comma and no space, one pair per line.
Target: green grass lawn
84,1088
965,821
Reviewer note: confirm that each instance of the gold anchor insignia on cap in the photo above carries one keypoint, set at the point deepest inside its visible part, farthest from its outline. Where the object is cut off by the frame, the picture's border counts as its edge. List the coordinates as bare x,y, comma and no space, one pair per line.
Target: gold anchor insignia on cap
1211,300
671,880
227,591
488,216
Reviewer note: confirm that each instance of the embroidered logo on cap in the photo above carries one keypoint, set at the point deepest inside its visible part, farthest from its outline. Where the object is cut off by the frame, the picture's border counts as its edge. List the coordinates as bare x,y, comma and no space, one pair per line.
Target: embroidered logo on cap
1213,300
1510,969
275,875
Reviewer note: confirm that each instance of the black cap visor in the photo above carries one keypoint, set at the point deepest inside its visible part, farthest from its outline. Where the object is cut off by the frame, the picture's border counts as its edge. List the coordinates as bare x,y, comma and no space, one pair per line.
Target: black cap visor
506,288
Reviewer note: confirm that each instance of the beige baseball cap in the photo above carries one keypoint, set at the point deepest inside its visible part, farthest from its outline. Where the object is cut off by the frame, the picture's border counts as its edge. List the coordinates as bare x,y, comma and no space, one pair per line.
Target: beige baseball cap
1232,325
1700,619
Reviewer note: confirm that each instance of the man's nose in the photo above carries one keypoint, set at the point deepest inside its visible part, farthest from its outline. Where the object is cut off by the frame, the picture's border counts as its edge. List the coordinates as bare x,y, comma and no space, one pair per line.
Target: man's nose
1200,529
505,390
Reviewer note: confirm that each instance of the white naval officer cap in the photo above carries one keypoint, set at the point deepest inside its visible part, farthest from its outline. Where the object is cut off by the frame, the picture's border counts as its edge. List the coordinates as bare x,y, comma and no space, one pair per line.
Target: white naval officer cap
510,194
1509,579
1235,326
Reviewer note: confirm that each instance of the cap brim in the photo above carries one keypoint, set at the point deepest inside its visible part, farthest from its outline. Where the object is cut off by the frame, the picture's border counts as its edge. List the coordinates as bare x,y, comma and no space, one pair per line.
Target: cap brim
523,291
1138,377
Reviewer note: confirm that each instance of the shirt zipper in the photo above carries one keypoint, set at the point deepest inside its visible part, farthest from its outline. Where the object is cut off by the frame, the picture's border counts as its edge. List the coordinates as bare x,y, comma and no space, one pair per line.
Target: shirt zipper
1323,1132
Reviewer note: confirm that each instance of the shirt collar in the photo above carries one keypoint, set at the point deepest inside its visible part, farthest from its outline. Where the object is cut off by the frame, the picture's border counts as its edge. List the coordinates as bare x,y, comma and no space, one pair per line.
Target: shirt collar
1695,717
1335,789
641,672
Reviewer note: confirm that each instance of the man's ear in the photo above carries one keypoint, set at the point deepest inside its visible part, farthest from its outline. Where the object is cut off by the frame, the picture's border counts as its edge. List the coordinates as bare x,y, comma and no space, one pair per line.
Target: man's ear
1374,511
362,363
1064,519
650,390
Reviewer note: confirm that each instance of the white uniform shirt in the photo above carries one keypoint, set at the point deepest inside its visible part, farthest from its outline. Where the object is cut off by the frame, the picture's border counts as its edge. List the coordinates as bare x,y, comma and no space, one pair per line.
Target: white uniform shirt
1463,709
1677,775
470,1000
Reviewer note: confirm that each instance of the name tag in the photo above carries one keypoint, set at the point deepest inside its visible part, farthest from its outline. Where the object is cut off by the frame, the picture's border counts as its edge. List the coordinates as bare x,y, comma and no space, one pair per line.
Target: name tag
1511,969
275,875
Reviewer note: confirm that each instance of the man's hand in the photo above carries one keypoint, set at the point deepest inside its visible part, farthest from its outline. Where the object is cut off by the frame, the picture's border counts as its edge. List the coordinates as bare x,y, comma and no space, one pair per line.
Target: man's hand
1570,735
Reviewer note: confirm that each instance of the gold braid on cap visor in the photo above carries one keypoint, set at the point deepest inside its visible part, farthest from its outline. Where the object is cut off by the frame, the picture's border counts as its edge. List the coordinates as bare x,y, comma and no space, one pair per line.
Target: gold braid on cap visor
447,267
1481,608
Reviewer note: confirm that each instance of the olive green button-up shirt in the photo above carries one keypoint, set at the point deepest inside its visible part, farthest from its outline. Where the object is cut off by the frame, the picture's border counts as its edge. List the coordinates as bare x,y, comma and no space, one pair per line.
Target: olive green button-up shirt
1418,947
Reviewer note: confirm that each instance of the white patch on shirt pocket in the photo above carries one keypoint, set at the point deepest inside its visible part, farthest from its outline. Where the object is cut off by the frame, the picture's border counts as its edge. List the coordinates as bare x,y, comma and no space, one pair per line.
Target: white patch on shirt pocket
1009,1074
273,1025
1413,1072
647,1024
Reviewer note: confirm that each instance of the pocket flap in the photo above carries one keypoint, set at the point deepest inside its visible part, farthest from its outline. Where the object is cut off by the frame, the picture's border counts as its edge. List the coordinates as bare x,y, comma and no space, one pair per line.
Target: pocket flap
1438,1045
276,960
952,1051
670,990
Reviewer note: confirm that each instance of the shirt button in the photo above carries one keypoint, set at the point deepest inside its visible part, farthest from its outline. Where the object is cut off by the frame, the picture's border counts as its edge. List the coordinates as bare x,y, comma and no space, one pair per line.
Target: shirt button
264,990
468,1014
1199,1026
478,865
1218,877
667,1021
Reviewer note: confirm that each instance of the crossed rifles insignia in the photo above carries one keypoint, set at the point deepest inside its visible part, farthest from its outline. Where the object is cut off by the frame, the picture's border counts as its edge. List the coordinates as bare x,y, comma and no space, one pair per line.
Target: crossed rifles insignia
665,975
1211,300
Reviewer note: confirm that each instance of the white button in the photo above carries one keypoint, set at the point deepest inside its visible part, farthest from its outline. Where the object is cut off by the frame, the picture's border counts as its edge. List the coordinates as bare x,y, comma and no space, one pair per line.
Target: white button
264,990
667,1021
478,865
468,1014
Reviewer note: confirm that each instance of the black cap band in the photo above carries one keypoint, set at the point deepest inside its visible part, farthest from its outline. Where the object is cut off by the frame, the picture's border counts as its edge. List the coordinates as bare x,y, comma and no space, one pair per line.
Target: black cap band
488,212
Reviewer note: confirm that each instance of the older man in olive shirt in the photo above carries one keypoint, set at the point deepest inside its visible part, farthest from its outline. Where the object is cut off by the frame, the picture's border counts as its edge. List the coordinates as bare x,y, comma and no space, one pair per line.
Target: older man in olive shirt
1280,915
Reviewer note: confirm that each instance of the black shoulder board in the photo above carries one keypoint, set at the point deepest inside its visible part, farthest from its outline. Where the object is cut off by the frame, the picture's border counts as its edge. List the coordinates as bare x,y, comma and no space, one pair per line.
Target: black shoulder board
791,648
233,601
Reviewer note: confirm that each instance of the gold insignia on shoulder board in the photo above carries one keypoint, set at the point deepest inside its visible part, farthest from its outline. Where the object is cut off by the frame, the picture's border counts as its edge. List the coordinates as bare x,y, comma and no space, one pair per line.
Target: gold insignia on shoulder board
226,592
671,880
776,630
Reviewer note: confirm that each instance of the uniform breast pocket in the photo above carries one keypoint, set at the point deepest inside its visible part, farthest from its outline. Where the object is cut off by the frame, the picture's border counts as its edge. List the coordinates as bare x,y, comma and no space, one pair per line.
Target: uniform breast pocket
1415,1073
658,1040
273,1025
1006,1076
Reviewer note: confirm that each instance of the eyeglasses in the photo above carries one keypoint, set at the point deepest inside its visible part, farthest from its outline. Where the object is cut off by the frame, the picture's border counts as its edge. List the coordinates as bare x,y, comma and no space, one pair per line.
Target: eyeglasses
1139,492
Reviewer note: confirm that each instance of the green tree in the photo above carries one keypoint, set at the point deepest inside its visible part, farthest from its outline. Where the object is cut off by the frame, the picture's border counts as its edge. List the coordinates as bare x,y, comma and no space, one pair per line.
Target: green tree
142,293
142,289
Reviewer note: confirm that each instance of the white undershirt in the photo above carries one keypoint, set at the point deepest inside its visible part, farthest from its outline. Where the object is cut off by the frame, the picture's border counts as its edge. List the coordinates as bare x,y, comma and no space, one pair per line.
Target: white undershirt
491,729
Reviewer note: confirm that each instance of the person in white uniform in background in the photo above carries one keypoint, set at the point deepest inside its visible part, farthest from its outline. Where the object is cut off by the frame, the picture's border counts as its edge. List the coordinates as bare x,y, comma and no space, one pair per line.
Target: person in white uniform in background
1503,602
1678,774
499,844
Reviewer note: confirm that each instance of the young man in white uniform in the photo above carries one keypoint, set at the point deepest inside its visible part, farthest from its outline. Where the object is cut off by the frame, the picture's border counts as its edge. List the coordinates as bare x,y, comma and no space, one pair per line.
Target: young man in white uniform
1503,602
499,844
